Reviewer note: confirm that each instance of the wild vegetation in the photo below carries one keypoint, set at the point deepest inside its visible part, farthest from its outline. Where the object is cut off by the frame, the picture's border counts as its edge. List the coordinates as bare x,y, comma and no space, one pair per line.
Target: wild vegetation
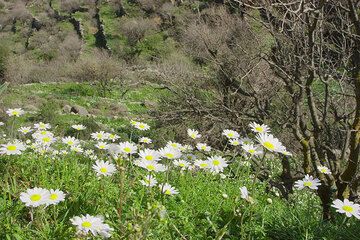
251,108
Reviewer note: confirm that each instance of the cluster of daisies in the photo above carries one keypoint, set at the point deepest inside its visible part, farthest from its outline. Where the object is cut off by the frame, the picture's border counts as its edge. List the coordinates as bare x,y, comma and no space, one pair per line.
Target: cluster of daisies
186,157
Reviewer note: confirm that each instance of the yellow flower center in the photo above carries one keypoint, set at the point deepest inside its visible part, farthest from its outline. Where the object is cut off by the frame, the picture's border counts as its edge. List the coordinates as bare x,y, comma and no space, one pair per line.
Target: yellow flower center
203,148
269,145
308,184
167,192
54,196
46,139
141,126
43,132
348,208
252,151
70,142
99,135
203,165
86,224
169,155
150,167
149,158
127,149
11,148
182,165
15,113
216,162
259,129
35,197
103,170
230,134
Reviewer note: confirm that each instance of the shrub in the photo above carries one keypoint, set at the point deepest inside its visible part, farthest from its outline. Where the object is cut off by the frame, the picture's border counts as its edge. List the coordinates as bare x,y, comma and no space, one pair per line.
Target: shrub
4,54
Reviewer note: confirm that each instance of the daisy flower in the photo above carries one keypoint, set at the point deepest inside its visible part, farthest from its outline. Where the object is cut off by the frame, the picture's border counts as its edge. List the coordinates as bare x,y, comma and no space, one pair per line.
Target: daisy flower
167,189
202,164
149,181
257,128
78,127
186,148
94,225
25,130
347,207
15,112
244,193
70,141
217,164
324,170
170,153
251,149
14,148
45,140
141,126
77,149
234,142
113,137
149,154
203,147
35,197
190,157
99,136
42,126
39,134
151,166
230,133
308,181
173,145
2,124
194,134
55,197
104,168
181,163
269,142
145,140
245,141
102,145
127,147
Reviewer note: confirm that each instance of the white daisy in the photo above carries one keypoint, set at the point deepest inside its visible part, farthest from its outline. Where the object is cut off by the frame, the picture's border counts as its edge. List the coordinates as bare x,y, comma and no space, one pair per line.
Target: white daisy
145,140
202,164
270,143
70,141
2,124
78,127
141,126
149,154
35,197
128,148
181,163
244,193
88,223
173,145
167,189
234,142
113,137
151,166
308,181
203,147
15,112
257,128
100,136
42,126
102,145
230,133
25,130
77,149
45,140
251,149
246,141
14,148
55,197
324,170
149,181
217,164
347,207
170,153
104,168
194,134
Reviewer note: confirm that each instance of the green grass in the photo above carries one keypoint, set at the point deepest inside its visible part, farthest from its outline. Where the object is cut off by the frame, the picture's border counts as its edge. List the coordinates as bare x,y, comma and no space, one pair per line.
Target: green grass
199,211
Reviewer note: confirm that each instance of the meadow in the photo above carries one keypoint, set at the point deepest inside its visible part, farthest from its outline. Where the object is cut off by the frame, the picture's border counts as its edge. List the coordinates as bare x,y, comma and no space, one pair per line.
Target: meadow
128,181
